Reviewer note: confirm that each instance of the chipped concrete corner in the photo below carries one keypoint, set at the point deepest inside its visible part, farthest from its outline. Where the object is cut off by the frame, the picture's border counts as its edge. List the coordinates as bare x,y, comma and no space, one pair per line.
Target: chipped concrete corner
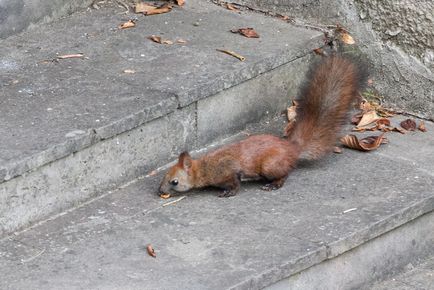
396,35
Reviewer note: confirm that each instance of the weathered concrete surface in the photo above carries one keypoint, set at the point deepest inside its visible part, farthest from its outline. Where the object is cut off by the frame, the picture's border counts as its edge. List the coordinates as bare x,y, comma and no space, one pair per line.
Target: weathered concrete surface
249,241
397,36
374,260
63,121
17,15
420,277
91,171
45,103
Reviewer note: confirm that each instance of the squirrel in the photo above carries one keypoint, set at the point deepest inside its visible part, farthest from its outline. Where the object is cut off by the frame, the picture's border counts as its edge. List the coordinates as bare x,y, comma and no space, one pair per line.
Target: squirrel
324,101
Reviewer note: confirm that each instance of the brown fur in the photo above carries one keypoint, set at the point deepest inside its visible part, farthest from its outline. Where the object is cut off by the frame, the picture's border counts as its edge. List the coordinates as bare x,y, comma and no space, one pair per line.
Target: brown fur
324,101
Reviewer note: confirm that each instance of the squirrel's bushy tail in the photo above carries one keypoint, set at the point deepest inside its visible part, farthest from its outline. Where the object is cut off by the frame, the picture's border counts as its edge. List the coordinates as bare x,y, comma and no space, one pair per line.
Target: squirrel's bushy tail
324,100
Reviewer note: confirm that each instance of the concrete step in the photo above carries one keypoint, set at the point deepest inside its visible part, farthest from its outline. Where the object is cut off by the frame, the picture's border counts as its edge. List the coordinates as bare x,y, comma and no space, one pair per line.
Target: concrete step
420,277
340,223
75,128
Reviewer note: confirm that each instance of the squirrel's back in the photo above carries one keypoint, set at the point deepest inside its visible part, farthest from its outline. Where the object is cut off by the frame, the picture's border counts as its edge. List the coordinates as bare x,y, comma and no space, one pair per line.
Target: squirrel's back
324,100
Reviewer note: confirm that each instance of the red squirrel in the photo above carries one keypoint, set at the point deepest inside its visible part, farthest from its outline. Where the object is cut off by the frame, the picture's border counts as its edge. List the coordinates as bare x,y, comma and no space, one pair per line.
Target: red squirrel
324,101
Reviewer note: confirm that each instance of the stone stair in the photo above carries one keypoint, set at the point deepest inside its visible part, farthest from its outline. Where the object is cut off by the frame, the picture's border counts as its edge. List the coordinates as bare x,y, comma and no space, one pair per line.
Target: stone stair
74,128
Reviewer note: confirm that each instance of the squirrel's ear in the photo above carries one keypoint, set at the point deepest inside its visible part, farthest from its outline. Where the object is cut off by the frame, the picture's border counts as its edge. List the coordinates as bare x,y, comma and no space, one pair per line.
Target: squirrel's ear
185,160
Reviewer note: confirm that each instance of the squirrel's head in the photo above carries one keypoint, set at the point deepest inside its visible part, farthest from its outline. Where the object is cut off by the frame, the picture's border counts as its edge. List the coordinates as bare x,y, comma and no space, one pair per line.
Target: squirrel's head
179,177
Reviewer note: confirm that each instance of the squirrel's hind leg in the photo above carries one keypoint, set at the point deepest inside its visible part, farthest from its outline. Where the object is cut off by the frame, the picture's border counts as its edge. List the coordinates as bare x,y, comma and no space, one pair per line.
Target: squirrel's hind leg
275,184
231,186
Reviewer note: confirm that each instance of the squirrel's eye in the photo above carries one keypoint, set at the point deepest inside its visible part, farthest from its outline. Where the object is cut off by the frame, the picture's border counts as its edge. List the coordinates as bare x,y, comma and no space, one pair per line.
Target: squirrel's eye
174,182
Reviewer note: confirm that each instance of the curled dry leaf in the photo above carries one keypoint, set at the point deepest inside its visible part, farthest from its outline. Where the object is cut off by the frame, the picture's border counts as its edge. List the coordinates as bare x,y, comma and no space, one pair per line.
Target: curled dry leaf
347,38
159,40
234,54
180,2
400,130
409,125
151,251
421,126
165,195
337,150
365,144
181,41
129,24
148,9
229,6
247,32
291,115
368,118
355,119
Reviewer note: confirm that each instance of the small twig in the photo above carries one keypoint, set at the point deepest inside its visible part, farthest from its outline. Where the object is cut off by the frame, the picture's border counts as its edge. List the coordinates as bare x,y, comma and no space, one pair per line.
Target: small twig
350,210
175,201
234,54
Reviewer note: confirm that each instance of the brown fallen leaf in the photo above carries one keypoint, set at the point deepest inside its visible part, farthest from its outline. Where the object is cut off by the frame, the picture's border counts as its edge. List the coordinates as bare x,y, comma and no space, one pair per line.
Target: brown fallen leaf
400,130
291,112
284,17
422,126
347,38
247,32
151,251
409,125
337,150
159,40
148,9
365,144
129,24
180,2
229,6
383,121
355,119
181,41
143,7
66,56
368,118
165,195
234,54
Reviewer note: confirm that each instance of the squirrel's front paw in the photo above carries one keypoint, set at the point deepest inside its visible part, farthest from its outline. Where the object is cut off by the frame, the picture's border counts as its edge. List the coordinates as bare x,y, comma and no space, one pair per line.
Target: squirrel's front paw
270,186
227,193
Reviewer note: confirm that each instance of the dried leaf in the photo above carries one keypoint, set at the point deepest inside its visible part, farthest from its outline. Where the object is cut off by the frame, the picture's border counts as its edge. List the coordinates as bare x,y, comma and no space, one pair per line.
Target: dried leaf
130,23
148,9
365,144
400,130
151,251
368,118
159,40
234,54
421,126
165,195
347,38
65,56
291,112
383,121
356,118
247,32
143,7
337,150
180,2
284,17
229,6
181,41
409,125
129,71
